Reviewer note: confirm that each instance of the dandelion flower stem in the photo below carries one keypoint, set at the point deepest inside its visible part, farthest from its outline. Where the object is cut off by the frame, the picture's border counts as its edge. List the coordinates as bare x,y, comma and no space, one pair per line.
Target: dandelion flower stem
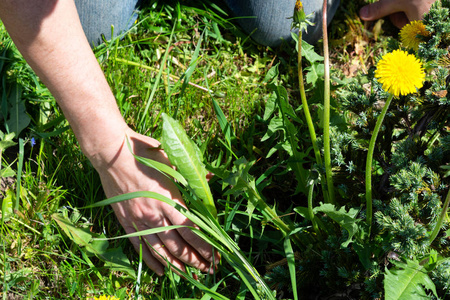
326,108
441,218
310,209
309,122
369,160
400,73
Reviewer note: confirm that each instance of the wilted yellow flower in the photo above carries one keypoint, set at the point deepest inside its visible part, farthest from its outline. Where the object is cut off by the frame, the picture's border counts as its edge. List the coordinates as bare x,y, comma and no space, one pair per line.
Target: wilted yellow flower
103,297
400,73
409,33
298,5
300,18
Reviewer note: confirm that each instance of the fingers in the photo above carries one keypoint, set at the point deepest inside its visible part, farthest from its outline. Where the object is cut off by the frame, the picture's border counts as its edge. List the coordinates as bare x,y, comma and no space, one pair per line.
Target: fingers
172,247
152,262
155,254
380,9
399,19
202,247
401,12
184,252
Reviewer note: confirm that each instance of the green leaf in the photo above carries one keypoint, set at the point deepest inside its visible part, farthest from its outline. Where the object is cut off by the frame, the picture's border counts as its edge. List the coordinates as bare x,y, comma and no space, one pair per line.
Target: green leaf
81,236
310,55
7,205
275,125
272,75
6,140
7,172
18,118
346,220
365,252
314,72
186,157
270,106
113,258
19,173
163,168
158,77
242,183
116,260
407,281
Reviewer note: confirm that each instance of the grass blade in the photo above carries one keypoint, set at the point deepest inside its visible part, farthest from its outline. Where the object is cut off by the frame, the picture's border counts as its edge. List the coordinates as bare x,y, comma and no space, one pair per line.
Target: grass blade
143,232
158,78
291,265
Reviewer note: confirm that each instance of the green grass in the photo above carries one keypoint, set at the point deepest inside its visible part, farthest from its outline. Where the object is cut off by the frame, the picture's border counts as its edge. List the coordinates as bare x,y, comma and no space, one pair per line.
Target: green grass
38,259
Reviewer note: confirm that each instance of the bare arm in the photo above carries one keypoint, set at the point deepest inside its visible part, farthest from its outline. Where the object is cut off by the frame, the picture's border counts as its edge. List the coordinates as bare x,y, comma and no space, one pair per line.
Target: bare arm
49,35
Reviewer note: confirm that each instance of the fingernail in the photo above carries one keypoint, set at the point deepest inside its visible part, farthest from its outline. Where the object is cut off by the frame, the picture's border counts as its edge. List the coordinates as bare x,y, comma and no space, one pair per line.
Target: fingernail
364,12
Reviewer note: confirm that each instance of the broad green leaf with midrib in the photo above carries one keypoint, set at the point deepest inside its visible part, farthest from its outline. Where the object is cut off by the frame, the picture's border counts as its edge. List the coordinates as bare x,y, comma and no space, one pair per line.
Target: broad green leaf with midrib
407,281
185,156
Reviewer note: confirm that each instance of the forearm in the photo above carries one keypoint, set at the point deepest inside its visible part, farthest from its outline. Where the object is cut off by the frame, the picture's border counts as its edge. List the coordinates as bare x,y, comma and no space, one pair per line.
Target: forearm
50,37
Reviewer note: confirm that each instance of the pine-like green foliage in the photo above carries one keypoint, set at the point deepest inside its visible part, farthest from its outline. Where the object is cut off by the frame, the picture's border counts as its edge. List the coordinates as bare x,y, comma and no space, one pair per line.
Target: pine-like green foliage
441,278
436,22
409,177
401,233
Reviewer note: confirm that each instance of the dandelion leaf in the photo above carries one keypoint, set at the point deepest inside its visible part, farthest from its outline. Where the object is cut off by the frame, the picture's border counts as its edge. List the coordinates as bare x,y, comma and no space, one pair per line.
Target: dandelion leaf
7,205
186,157
18,119
116,260
113,258
314,72
407,281
309,54
81,236
346,220
241,181
6,140
272,75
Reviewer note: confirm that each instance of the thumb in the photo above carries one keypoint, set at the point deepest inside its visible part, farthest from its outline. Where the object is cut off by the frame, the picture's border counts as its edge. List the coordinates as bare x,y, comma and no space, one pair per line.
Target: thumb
379,10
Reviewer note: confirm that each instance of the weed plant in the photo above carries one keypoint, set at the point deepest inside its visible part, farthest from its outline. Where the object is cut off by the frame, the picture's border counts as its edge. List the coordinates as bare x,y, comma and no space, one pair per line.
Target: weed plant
186,72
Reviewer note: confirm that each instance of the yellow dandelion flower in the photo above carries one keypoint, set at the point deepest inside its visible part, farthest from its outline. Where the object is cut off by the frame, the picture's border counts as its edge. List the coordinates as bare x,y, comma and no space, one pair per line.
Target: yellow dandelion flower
400,73
103,297
409,34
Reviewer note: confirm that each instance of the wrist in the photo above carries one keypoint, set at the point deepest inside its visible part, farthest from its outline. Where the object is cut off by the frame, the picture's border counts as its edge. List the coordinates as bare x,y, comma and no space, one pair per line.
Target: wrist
114,153
102,140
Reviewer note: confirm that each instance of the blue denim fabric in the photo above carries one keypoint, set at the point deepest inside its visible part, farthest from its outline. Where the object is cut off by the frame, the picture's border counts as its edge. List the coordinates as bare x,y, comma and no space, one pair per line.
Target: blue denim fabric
268,21
97,17
272,19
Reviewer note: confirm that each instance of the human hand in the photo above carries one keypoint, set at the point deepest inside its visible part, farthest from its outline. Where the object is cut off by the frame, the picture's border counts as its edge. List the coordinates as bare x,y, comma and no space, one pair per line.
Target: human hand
88,103
401,12
123,175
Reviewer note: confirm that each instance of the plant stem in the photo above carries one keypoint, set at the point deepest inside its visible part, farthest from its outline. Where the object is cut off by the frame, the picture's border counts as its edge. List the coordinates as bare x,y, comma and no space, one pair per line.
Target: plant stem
326,108
310,209
438,226
308,118
270,214
370,159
